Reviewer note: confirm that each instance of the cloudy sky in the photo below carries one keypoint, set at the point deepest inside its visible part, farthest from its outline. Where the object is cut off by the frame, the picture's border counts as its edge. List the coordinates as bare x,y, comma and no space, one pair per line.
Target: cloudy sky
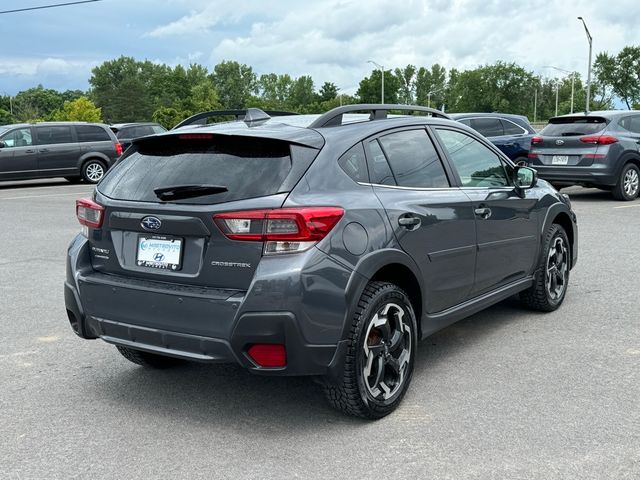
328,39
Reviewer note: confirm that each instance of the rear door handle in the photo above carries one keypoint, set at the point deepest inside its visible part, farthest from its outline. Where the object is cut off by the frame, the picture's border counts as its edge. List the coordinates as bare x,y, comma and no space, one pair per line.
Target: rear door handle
409,221
43,150
29,151
483,212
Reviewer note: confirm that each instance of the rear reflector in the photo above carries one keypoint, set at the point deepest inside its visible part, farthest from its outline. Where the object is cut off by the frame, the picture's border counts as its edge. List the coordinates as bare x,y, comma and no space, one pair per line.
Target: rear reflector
118,149
599,139
268,355
290,229
594,155
532,155
89,213
536,140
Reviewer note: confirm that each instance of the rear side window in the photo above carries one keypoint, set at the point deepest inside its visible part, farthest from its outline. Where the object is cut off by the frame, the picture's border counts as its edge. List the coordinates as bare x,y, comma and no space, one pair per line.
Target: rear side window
158,129
247,167
631,123
414,160
91,133
354,163
489,127
511,128
54,134
379,170
476,165
573,126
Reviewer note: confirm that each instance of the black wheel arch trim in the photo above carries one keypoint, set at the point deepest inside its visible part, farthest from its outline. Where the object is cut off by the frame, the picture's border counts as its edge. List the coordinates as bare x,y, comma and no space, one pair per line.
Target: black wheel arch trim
552,214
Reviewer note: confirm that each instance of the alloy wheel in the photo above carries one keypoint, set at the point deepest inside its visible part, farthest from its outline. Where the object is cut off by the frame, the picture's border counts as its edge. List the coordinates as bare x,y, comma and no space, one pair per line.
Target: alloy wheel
387,351
95,172
631,182
557,268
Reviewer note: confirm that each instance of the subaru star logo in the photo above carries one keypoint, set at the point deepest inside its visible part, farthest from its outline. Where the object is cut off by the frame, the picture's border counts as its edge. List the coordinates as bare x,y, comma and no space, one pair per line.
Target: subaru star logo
151,223
158,257
559,142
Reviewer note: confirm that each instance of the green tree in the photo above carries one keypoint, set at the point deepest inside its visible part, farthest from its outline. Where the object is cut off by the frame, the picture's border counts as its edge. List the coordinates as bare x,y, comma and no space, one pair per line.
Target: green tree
621,73
275,90
406,77
36,103
328,91
369,88
301,94
168,117
431,85
5,117
80,110
121,87
235,83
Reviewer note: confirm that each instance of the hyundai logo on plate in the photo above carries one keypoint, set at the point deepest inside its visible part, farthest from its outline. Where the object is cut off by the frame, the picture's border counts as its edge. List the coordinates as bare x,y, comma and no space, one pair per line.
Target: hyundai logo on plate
151,223
158,257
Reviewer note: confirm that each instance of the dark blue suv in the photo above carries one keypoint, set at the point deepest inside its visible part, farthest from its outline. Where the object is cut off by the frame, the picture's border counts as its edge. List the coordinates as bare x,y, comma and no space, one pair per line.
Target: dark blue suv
510,133
312,245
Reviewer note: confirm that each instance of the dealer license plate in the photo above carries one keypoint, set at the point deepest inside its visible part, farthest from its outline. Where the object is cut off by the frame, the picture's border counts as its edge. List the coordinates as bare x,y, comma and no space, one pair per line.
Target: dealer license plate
164,253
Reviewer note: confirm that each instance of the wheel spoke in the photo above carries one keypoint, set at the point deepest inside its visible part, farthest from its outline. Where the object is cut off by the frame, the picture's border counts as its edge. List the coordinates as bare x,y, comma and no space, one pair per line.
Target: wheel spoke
396,341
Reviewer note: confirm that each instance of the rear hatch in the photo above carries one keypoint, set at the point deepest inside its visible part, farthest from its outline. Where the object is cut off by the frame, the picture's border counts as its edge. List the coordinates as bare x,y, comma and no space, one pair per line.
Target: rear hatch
160,201
571,141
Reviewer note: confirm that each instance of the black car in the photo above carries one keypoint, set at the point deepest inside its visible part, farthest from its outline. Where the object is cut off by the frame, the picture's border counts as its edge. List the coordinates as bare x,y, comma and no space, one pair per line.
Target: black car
595,149
510,133
126,132
73,150
324,245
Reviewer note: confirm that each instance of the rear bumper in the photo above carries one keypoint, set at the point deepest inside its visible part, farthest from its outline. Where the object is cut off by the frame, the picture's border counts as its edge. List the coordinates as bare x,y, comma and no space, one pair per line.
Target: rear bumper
199,324
602,175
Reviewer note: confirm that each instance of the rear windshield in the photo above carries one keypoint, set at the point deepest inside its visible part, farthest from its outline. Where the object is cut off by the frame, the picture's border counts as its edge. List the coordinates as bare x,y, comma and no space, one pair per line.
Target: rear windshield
571,126
247,167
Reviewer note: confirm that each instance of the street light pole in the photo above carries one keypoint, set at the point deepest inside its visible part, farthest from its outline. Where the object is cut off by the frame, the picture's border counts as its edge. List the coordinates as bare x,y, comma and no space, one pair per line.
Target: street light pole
382,73
590,38
557,90
535,105
573,81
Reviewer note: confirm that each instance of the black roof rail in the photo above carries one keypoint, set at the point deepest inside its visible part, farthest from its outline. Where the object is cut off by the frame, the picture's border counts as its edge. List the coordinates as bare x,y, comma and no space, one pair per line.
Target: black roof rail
378,111
249,114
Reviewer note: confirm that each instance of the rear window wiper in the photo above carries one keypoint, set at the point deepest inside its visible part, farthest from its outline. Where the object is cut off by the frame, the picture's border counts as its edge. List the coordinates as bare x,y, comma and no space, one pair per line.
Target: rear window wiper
180,192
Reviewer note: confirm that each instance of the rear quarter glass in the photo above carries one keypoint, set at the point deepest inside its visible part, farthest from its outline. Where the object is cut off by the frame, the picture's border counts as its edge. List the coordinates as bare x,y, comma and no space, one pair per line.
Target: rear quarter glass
247,167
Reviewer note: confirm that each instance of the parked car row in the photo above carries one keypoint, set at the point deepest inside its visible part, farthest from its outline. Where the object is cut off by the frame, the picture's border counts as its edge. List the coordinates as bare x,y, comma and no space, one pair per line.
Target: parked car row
73,150
598,149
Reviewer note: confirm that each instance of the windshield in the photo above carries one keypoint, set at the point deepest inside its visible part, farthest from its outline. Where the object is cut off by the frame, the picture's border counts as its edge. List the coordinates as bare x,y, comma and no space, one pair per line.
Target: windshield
247,168
573,126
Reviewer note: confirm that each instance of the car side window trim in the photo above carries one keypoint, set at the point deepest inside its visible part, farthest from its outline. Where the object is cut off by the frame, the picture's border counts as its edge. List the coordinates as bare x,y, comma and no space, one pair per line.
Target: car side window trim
506,163
448,172
524,131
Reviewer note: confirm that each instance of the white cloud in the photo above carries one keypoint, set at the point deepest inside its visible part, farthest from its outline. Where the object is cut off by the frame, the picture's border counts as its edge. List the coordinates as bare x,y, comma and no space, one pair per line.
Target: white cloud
46,66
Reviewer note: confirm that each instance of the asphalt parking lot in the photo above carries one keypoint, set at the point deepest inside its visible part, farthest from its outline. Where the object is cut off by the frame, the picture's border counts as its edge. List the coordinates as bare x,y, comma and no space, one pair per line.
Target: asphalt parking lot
506,393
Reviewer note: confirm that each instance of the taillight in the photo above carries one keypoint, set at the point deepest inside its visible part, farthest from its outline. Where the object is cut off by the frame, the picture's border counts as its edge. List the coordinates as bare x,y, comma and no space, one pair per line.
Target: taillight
269,355
118,149
285,230
599,139
536,140
89,213
532,155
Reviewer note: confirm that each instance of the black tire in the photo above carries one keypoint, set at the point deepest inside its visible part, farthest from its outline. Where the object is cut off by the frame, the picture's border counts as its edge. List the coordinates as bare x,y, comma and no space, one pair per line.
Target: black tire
628,185
552,280
149,360
385,350
93,170
524,161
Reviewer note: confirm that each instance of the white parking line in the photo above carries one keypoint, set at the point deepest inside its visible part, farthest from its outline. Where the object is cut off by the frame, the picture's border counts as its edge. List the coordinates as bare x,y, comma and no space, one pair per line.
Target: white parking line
629,206
48,195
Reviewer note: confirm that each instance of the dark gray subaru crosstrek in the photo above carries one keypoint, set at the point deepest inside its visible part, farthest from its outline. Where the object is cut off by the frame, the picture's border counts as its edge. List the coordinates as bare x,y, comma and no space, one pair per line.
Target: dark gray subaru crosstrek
312,245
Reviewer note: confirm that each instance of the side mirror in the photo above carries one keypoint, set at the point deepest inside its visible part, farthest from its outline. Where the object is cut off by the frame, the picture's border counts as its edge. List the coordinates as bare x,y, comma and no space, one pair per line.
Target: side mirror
525,177
2,144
